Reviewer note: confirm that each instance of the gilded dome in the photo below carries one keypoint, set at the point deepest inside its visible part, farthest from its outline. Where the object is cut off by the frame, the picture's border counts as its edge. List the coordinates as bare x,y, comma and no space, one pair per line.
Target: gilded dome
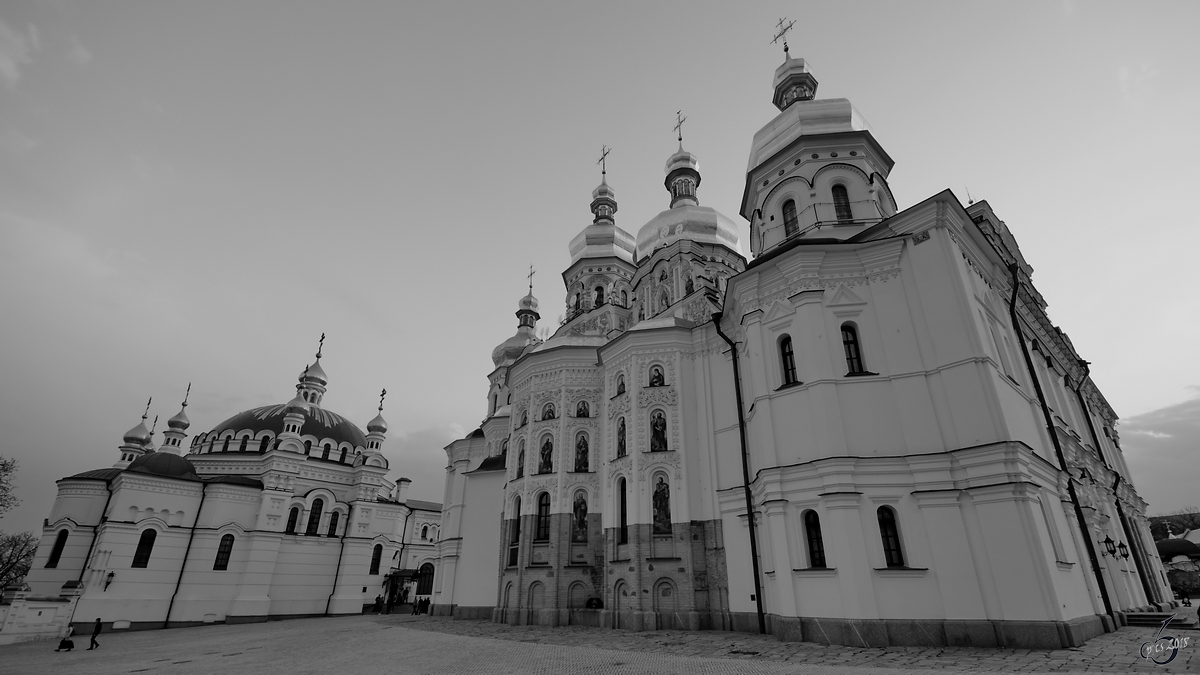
138,435
702,224
378,424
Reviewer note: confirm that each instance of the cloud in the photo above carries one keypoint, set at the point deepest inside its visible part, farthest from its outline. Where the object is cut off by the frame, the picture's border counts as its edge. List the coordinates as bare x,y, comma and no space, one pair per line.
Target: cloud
1161,451
418,456
78,53
16,49
1130,78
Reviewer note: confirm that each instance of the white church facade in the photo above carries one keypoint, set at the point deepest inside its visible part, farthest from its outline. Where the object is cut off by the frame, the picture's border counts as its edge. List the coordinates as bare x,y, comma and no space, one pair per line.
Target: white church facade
280,511
925,457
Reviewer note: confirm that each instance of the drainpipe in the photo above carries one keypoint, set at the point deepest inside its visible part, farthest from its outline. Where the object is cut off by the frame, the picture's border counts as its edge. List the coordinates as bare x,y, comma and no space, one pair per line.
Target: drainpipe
737,388
341,549
191,535
1062,461
87,558
1087,415
96,532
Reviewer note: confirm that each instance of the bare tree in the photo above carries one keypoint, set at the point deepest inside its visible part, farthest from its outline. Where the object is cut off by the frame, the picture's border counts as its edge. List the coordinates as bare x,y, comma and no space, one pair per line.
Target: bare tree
8,467
16,555
1178,522
16,550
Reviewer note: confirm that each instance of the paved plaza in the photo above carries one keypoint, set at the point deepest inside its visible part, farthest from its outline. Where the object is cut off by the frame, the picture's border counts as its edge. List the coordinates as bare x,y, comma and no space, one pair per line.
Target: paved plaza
399,644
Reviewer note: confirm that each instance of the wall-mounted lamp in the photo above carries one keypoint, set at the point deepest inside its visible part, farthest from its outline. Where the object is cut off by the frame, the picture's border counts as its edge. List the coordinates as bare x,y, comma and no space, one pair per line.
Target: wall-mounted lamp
1124,550
1110,546
109,579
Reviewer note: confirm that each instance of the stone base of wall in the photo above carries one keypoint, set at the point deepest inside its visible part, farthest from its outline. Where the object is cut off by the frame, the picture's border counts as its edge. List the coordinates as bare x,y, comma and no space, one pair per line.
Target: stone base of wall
930,632
472,613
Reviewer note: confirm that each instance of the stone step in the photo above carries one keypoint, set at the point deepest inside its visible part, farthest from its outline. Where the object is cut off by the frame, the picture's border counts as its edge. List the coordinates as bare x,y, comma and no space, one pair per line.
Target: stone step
1157,619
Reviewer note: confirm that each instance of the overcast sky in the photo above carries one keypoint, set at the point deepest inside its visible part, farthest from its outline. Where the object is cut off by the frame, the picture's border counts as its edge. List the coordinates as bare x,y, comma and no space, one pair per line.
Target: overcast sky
195,191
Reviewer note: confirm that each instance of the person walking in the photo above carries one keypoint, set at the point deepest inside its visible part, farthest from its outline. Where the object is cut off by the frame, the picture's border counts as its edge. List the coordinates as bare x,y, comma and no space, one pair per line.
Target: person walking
95,632
378,604
66,644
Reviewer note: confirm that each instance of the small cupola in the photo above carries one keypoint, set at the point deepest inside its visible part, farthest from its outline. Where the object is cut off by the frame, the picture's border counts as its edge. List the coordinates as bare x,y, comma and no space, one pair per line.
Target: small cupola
793,82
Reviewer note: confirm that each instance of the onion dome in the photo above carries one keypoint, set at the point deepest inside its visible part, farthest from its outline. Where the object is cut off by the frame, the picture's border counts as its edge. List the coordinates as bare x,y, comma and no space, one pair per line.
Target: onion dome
297,406
528,302
686,219
138,435
180,421
527,316
378,425
164,464
315,373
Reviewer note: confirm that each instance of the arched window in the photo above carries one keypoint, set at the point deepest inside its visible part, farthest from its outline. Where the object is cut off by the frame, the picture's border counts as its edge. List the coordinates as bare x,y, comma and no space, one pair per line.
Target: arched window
508,401
141,557
816,545
242,447
542,531
425,532
495,402
624,299
790,224
342,459
307,447
548,412
333,522
623,534
620,384
854,362
314,517
788,357
325,451
293,518
264,444
376,554
60,542
841,204
891,537
223,552
425,579
599,295
521,459
225,447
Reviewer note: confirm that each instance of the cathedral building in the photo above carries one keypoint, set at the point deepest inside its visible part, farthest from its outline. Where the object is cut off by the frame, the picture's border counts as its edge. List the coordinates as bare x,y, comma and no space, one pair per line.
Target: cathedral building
279,511
868,432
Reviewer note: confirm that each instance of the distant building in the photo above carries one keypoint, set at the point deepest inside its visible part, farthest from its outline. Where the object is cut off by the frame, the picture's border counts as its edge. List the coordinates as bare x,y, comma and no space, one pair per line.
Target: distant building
924,453
280,511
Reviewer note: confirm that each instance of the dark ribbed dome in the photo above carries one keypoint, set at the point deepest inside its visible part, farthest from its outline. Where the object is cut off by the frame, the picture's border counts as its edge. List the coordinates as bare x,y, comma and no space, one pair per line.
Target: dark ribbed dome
163,464
318,422
1169,548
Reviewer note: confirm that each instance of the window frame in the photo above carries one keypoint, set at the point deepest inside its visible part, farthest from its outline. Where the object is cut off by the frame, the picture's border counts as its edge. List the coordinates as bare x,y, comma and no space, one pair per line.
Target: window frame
787,358
852,347
60,543
841,207
293,520
542,523
889,535
145,549
791,225
224,551
314,517
814,539
376,557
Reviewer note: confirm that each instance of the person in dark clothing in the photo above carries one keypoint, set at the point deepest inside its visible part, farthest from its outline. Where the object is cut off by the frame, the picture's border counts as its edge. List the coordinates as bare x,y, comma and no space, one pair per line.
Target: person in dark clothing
416,606
379,604
66,644
95,632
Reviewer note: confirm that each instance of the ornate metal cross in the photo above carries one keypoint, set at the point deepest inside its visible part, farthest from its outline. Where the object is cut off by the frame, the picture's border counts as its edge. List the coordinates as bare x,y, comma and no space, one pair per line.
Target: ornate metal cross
781,33
603,161
530,275
320,345
680,119
381,395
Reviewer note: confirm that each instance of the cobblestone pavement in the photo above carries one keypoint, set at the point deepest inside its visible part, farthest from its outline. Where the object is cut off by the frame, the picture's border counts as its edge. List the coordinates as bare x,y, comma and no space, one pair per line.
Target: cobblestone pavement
401,644
1113,653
